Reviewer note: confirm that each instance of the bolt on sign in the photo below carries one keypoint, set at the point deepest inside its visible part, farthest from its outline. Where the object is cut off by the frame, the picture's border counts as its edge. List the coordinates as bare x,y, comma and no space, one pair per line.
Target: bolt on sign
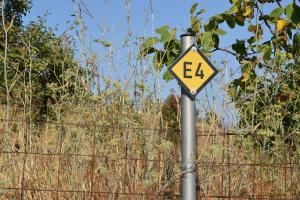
192,70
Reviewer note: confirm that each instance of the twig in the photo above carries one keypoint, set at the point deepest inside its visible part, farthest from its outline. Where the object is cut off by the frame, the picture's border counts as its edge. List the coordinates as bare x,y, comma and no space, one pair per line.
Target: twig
222,49
268,25
279,4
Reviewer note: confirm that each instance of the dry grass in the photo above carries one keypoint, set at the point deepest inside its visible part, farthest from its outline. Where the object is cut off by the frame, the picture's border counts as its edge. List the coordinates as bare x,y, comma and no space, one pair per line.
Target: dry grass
98,152
114,145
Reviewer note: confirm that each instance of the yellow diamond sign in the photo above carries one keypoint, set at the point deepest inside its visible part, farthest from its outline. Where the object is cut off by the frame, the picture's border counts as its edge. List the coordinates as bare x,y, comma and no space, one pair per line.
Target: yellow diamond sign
192,70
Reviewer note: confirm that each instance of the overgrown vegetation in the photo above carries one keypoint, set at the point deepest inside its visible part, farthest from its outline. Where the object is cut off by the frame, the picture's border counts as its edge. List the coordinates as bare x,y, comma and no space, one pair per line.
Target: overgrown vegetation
266,94
39,66
74,132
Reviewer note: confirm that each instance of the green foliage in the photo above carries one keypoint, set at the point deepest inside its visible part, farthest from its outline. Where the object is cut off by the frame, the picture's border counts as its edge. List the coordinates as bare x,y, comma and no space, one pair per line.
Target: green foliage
167,54
206,39
220,32
170,117
193,8
268,100
276,13
165,34
14,10
40,66
167,76
150,42
292,12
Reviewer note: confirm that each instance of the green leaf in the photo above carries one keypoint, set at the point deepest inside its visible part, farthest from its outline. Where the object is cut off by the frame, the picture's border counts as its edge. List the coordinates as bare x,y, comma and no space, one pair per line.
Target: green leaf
289,10
162,29
251,40
151,41
220,32
239,48
171,60
292,12
172,46
229,20
103,42
276,13
175,47
195,24
235,83
216,40
193,8
167,76
219,18
207,39
212,24
165,35
236,6
296,41
200,11
267,52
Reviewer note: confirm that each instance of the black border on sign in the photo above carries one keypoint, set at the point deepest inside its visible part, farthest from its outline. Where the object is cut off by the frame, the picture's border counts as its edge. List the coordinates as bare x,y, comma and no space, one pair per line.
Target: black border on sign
181,82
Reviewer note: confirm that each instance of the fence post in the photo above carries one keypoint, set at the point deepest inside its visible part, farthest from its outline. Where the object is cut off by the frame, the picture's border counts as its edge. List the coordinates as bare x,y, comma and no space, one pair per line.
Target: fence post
188,136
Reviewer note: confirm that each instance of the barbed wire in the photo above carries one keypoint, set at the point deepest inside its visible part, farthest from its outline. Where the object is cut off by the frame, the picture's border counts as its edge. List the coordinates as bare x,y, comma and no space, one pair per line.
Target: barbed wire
79,155
90,104
271,165
106,193
128,158
98,104
94,125
224,163
254,197
199,133
77,191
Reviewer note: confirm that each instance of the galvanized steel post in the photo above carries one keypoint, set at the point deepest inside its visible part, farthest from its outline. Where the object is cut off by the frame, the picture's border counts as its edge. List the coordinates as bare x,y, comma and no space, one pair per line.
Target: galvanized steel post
188,136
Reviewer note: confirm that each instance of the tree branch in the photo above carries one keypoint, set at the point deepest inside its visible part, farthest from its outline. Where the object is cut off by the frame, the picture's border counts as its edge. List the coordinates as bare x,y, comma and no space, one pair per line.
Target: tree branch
230,52
265,21
268,25
222,49
278,3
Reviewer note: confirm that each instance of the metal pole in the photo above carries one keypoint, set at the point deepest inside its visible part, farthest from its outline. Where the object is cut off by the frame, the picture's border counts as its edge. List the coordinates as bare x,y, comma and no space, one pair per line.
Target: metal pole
188,136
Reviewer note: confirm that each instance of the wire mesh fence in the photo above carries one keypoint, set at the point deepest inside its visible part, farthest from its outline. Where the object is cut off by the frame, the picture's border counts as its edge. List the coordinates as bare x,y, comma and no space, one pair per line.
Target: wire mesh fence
100,152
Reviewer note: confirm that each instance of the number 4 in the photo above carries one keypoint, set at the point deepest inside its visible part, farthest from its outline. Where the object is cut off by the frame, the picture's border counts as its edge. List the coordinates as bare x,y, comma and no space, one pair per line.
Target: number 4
199,72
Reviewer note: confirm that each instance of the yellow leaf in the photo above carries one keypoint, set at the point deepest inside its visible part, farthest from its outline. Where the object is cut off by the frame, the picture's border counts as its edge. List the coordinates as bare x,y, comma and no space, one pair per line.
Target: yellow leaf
280,26
246,77
248,11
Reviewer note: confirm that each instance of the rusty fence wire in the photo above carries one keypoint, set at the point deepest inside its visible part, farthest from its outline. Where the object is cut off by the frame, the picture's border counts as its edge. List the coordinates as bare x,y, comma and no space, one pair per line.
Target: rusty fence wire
97,153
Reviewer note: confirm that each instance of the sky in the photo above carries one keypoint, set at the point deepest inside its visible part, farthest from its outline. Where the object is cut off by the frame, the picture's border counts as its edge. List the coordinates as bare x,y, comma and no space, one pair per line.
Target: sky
107,20
113,12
